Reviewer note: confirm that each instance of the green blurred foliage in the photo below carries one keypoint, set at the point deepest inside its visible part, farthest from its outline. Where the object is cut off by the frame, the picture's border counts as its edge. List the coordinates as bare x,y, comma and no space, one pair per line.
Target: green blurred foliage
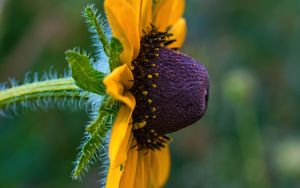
249,136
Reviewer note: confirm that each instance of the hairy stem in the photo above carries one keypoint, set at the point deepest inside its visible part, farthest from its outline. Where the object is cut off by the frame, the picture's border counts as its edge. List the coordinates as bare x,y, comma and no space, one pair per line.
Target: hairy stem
97,132
56,89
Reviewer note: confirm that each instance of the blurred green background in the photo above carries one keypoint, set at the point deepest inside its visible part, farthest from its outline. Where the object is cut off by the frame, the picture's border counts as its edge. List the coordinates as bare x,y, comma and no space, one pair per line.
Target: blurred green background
250,135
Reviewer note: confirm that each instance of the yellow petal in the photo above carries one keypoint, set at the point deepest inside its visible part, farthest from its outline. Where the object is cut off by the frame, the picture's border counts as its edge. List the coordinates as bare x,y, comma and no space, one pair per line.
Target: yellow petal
145,15
179,32
113,177
121,136
139,178
160,163
148,164
117,84
123,20
136,4
143,169
167,12
129,174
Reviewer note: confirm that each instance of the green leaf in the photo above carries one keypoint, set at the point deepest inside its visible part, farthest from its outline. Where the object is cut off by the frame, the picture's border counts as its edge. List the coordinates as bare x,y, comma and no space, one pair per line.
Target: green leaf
85,76
93,21
96,132
109,106
116,49
112,49
91,146
91,128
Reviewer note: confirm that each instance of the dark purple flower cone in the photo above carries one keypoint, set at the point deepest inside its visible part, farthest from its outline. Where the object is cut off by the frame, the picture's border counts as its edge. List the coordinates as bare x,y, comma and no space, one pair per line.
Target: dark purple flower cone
171,91
181,93
170,88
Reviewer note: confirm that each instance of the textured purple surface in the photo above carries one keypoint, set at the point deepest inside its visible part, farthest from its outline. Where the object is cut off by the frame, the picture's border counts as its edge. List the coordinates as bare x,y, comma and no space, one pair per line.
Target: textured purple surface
182,91
170,88
180,96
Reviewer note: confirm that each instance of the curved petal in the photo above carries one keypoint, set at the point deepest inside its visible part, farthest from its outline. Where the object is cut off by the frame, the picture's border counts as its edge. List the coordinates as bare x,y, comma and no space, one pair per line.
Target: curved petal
123,20
167,12
160,166
145,15
129,174
117,84
179,32
121,136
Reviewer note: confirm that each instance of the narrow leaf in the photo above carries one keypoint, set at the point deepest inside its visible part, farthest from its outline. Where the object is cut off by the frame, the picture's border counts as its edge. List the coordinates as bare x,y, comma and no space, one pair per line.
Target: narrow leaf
92,146
93,20
116,49
97,132
109,106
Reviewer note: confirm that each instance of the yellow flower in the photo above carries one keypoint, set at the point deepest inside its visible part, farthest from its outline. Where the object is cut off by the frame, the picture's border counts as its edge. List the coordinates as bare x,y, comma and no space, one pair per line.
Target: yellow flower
139,154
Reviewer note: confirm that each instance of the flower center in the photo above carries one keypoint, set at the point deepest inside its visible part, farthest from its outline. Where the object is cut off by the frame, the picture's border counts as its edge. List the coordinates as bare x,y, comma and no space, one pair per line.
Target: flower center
170,88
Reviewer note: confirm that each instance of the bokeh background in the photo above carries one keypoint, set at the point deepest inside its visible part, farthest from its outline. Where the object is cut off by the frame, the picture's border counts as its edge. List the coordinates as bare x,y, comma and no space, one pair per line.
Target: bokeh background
250,135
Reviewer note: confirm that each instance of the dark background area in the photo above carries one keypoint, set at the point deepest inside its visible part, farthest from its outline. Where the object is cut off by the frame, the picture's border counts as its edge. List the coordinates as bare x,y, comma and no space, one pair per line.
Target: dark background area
249,136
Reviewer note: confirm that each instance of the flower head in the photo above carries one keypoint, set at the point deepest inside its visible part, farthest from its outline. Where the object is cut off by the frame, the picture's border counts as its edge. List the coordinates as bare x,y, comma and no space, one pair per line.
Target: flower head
162,90
152,90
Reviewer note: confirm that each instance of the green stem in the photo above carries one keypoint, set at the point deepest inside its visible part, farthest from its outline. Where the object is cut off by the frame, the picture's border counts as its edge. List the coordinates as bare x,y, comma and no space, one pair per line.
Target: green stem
58,88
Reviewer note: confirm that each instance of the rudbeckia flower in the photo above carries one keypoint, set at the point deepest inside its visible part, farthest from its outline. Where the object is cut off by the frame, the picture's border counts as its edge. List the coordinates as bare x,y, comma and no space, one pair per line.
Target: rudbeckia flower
161,89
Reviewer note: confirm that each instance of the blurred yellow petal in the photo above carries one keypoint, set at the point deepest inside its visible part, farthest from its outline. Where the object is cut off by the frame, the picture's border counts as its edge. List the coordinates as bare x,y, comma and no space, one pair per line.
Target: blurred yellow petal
121,136
124,22
179,32
160,164
140,171
167,12
136,4
117,84
113,177
129,174
148,164
145,15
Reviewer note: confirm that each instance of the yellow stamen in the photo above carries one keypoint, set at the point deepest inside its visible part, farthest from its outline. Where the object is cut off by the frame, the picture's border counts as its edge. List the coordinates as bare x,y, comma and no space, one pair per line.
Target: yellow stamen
139,125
